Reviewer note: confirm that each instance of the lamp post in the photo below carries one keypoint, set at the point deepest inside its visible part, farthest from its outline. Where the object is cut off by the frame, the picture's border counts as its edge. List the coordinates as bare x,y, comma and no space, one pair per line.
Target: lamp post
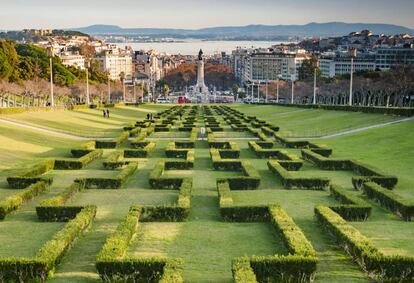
109,88
267,91
135,93
51,54
277,88
258,92
353,55
314,86
252,84
293,89
87,82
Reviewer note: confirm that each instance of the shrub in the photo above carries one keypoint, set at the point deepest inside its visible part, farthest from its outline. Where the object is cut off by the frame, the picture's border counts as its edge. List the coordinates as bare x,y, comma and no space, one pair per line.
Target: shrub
32,175
49,255
390,200
291,180
115,160
13,202
68,164
112,143
380,267
111,183
353,207
52,210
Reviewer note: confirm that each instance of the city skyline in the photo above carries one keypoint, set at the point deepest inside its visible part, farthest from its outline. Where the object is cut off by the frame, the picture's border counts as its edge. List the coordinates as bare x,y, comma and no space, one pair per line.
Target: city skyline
193,14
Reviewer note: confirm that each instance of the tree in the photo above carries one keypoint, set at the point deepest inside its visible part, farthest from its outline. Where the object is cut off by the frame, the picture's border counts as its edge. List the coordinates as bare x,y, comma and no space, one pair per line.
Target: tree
306,71
165,90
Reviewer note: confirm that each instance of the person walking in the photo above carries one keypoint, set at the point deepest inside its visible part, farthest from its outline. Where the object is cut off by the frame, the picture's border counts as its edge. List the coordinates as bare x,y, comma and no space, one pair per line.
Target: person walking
104,113
148,116
107,113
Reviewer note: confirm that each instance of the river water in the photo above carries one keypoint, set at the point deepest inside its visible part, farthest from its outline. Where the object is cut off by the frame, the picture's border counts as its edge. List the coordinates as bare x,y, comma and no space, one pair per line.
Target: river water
191,47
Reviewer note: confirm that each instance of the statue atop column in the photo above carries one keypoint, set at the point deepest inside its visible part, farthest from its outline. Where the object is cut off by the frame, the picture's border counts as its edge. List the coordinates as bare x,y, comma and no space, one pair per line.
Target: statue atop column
200,55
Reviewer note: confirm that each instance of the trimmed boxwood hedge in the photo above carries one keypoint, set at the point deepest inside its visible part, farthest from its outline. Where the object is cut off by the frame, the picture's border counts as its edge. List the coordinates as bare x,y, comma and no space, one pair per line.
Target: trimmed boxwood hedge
13,202
113,266
70,164
390,200
368,172
353,207
115,160
53,209
293,180
299,265
110,183
49,255
382,268
112,143
32,175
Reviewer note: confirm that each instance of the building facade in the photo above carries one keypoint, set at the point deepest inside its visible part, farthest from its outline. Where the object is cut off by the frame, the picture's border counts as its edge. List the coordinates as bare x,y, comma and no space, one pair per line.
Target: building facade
117,64
73,60
334,65
272,65
387,58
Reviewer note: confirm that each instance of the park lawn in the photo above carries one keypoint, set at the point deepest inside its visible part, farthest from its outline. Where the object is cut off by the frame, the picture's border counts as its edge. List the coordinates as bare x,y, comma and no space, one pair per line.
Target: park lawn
299,122
86,122
20,147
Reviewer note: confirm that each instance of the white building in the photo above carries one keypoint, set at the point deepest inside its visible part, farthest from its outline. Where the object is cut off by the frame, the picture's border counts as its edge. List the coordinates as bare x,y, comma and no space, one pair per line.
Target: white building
262,66
73,60
115,65
333,65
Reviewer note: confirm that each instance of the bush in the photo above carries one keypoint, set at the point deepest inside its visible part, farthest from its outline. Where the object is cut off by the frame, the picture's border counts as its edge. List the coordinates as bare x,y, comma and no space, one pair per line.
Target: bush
49,255
110,183
115,160
13,202
369,173
68,164
52,210
380,267
353,207
291,180
242,271
112,143
390,200
32,175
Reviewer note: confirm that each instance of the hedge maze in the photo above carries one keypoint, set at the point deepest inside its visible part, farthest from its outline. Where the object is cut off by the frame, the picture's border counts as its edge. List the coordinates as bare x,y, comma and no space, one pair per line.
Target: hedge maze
161,203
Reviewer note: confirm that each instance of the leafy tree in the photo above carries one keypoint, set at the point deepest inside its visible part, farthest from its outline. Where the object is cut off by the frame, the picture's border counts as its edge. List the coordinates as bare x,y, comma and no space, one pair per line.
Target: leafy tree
9,61
306,71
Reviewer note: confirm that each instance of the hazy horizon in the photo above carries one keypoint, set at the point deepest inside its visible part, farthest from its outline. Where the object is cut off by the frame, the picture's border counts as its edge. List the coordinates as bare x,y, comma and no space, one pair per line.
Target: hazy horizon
194,14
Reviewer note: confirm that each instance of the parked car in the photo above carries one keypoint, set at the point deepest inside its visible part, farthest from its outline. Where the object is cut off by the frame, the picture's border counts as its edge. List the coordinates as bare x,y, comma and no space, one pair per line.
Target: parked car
162,100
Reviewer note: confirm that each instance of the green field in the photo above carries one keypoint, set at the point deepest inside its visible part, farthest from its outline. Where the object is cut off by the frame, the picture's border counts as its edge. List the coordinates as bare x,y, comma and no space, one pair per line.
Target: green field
204,241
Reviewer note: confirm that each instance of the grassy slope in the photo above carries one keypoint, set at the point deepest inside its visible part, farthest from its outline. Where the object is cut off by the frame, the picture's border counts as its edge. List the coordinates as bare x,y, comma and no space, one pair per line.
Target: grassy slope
389,148
309,122
207,244
88,122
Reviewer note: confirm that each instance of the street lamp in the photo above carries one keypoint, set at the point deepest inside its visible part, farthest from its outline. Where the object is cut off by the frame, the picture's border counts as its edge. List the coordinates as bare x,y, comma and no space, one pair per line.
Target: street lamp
314,86
267,92
109,87
135,93
50,53
277,87
258,92
87,64
353,55
252,84
293,88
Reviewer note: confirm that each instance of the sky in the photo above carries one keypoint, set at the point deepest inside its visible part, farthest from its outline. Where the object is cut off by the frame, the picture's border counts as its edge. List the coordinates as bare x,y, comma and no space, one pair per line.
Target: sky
193,14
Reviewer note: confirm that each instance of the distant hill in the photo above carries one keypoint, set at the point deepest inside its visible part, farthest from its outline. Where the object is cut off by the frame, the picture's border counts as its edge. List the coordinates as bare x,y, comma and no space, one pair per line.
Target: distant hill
251,31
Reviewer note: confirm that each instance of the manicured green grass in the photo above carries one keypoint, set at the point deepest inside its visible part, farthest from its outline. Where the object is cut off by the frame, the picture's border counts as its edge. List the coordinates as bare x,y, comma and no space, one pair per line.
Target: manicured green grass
298,122
204,241
86,122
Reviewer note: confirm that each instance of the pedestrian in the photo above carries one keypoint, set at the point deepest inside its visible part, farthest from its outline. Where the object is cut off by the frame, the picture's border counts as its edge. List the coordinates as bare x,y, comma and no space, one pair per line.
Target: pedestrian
107,113
202,132
151,116
148,116
104,113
